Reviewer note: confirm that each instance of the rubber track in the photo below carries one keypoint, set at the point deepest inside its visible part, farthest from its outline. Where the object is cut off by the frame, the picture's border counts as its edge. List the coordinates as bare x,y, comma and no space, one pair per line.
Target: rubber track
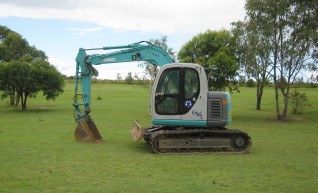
227,133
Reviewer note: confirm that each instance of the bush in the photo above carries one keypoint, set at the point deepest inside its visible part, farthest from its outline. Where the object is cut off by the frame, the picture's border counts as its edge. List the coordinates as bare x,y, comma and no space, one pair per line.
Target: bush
129,79
297,101
250,83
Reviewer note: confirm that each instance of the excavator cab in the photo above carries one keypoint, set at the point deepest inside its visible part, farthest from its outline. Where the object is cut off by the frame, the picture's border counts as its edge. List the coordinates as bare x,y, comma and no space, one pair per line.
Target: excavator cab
179,96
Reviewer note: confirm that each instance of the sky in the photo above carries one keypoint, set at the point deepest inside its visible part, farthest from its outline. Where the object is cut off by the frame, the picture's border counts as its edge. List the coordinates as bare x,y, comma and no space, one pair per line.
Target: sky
61,27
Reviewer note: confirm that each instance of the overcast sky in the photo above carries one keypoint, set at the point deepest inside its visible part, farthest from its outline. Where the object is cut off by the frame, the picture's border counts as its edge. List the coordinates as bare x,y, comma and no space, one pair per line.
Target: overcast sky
61,27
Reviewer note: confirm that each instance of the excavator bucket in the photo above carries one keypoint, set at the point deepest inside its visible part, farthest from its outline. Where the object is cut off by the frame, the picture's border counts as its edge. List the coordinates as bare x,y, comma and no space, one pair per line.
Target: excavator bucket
87,131
137,132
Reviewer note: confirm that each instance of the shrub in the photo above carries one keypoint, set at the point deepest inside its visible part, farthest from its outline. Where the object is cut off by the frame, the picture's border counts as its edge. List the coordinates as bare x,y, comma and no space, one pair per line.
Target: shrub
250,83
297,101
129,79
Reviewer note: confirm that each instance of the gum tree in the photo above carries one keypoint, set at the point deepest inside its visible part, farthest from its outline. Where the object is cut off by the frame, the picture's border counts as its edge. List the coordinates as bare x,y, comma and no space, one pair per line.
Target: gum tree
253,52
291,28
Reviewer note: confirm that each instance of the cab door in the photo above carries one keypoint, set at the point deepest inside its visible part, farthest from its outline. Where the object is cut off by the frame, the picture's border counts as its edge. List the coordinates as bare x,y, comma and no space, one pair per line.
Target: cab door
179,96
168,94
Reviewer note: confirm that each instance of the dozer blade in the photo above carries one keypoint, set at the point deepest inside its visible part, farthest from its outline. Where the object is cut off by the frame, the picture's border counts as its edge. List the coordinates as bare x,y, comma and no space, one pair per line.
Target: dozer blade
137,132
87,131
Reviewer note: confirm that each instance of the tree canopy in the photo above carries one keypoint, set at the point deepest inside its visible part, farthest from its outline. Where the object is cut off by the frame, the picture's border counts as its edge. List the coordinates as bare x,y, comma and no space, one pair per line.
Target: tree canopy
213,49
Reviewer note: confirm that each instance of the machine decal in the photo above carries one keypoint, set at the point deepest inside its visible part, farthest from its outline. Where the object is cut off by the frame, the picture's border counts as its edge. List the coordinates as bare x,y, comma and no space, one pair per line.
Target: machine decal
109,60
188,104
197,113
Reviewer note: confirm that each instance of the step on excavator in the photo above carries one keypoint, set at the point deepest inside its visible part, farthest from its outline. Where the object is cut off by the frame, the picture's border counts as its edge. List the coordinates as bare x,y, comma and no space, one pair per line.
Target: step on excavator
187,118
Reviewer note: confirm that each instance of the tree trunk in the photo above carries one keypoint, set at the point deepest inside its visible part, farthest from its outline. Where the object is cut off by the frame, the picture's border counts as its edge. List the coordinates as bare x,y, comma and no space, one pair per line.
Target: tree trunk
17,101
12,98
279,117
23,102
284,114
286,98
259,94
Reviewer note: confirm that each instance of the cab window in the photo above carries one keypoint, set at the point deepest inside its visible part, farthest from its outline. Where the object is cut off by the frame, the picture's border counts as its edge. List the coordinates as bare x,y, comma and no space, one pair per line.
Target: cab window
167,96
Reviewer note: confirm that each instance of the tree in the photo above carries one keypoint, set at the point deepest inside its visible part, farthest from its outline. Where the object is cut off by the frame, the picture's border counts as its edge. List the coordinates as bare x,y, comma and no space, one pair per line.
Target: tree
137,78
162,42
213,48
25,71
253,51
118,76
28,76
314,77
291,28
151,70
12,48
129,79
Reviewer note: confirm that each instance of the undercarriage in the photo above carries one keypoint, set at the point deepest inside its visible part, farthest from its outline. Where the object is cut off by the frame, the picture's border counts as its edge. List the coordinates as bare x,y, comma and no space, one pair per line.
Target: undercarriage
184,140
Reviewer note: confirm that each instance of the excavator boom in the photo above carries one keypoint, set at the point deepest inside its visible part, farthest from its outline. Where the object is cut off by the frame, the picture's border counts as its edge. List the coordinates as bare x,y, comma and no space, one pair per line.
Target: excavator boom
86,129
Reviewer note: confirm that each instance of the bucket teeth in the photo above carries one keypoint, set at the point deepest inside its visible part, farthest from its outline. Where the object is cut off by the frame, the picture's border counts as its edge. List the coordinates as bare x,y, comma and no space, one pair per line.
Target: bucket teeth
86,131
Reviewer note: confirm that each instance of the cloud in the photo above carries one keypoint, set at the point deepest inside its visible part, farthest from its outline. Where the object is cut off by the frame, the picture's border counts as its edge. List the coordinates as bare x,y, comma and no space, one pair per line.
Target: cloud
94,29
85,31
51,4
165,17
62,66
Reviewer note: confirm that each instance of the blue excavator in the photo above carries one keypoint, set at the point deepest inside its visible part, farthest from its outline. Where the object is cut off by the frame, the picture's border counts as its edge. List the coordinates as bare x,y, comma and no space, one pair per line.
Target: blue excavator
186,116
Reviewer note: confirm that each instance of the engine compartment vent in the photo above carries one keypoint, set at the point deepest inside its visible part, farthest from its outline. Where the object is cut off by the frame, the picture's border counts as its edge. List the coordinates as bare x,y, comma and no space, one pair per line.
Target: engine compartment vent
215,108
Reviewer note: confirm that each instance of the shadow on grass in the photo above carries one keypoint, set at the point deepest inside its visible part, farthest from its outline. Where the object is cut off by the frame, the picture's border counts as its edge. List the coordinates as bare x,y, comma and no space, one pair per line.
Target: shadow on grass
31,110
142,147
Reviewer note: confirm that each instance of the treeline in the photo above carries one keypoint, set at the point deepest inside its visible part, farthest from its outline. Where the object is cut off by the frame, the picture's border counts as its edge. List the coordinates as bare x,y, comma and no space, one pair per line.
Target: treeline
298,84
249,83
70,79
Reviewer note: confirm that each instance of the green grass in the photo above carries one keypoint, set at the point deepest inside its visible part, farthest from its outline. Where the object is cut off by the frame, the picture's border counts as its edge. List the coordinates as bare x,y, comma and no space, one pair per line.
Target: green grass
38,152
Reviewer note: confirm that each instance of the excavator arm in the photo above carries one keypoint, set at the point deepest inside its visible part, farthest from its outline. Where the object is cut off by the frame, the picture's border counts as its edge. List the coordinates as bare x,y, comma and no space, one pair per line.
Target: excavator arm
142,51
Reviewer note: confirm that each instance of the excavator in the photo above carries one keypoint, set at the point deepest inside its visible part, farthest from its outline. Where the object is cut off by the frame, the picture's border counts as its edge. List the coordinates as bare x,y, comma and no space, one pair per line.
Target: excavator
187,118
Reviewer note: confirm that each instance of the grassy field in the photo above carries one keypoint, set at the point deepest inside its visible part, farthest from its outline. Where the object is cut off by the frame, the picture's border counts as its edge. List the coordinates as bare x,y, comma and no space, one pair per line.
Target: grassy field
38,152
